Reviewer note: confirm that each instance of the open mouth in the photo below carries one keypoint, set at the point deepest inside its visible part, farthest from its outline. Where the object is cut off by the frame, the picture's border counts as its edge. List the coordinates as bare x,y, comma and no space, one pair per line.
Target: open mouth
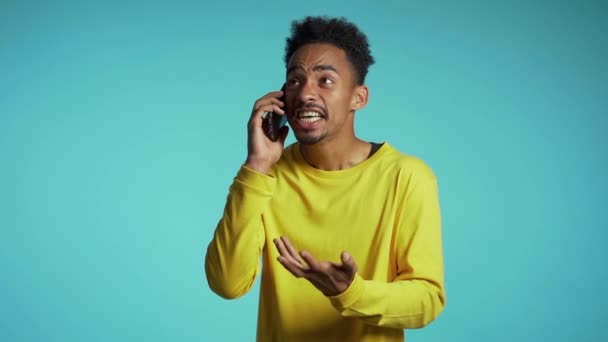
309,116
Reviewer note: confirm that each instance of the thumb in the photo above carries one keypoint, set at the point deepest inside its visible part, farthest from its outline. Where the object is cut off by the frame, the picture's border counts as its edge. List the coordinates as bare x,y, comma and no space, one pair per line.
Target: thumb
348,262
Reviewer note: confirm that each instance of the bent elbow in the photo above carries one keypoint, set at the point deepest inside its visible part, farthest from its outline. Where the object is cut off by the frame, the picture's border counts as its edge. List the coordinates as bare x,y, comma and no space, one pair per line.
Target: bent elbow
225,292
224,285
432,309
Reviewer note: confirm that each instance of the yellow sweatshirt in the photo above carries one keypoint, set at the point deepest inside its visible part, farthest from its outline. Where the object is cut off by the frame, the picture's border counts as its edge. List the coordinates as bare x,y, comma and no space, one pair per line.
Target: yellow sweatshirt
384,211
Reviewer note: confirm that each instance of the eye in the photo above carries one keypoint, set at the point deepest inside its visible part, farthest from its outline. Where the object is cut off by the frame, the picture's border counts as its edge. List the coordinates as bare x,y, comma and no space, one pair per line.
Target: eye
293,82
326,81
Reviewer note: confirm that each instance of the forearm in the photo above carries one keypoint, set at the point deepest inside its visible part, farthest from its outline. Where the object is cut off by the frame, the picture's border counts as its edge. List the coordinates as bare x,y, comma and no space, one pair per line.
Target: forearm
416,296
401,304
232,260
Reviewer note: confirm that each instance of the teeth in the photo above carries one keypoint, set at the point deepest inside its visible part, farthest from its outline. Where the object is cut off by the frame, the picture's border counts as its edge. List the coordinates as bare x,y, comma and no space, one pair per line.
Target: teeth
309,115
310,119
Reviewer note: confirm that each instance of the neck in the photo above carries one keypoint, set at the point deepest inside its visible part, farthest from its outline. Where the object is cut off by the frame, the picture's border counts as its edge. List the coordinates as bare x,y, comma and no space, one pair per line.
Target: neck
332,156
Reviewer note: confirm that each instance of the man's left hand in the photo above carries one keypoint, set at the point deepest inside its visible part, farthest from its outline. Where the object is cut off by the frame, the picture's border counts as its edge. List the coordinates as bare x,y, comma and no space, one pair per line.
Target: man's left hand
330,278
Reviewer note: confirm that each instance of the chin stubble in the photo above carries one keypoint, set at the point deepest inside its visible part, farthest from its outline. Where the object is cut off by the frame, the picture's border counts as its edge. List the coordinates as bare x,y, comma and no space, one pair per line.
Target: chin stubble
310,140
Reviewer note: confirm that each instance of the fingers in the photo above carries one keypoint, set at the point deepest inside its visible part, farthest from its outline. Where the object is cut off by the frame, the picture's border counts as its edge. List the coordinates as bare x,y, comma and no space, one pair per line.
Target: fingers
304,264
269,107
272,97
329,277
268,103
257,115
291,250
288,257
312,262
282,250
291,267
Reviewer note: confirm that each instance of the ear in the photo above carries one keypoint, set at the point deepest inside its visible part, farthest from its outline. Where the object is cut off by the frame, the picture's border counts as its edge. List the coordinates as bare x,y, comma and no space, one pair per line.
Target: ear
360,97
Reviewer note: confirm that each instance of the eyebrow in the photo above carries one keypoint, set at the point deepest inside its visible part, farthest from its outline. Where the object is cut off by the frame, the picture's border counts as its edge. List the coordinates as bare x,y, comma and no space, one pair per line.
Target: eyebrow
320,67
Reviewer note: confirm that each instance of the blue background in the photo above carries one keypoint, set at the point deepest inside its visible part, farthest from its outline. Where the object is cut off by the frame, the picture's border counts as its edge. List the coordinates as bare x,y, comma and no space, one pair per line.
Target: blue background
122,125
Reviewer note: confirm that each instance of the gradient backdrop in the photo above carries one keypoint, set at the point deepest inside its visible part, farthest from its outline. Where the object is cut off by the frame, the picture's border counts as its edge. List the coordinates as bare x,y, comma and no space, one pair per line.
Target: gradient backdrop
122,125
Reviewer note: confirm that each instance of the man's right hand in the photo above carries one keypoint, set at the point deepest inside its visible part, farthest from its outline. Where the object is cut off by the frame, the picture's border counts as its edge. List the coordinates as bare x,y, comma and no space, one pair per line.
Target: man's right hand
263,153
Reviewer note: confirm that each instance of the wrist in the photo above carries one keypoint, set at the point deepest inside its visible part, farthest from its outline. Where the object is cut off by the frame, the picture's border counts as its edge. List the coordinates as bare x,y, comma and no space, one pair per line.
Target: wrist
258,166
349,296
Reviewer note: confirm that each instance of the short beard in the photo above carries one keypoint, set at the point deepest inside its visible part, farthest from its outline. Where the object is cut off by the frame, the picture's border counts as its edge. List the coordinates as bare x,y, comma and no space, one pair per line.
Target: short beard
310,140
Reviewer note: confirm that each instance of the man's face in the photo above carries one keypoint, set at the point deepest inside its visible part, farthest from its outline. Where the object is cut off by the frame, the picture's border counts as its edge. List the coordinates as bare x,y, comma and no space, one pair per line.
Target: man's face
320,88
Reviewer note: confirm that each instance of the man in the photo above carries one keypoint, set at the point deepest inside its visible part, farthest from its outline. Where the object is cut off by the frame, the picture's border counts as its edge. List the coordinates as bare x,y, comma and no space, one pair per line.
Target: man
349,231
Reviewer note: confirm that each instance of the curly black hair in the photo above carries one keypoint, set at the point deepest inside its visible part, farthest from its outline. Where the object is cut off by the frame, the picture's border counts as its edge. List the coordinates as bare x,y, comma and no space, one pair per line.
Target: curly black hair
336,31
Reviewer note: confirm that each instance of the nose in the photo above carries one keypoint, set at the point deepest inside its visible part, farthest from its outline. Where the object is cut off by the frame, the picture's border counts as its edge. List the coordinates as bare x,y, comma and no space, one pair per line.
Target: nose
308,92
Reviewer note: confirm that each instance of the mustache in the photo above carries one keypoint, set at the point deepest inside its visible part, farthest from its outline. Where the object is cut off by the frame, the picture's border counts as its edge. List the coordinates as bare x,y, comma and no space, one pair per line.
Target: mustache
311,106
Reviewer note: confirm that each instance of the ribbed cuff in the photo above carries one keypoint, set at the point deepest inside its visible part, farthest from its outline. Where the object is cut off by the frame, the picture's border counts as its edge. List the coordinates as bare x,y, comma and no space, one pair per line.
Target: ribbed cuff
252,178
350,295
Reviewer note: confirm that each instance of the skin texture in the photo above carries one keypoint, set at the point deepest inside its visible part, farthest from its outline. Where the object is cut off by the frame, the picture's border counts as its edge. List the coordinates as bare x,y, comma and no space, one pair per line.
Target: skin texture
263,153
319,78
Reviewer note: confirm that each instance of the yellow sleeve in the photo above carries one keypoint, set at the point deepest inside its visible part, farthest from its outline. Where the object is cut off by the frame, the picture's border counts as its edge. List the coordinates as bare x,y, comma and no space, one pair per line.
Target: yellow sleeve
233,255
416,296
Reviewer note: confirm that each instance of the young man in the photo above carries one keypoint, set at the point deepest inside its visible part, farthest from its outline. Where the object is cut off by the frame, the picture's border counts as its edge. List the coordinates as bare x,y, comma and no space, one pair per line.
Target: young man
349,231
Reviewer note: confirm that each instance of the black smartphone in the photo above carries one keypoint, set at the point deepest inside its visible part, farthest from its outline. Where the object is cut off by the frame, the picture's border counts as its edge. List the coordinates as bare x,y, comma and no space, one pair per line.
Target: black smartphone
272,122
